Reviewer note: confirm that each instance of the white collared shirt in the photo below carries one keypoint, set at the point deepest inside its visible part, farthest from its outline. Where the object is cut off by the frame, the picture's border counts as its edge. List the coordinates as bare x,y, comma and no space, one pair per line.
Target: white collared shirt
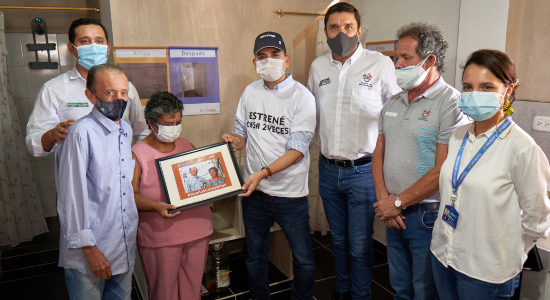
349,98
512,176
62,98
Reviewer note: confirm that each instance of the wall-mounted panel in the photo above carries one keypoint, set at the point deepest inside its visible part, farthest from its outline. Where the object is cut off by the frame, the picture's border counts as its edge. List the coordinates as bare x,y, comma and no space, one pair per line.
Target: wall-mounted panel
528,43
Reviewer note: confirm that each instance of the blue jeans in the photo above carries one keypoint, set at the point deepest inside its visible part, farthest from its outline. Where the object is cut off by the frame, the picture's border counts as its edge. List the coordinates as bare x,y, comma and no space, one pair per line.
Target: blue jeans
348,197
409,256
88,287
453,285
260,210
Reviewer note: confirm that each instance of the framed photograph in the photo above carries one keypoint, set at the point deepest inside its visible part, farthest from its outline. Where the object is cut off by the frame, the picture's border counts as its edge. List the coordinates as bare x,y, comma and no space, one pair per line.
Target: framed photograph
200,176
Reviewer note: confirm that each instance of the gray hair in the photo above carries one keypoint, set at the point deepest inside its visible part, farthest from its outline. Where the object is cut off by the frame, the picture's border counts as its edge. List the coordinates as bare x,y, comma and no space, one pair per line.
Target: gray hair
162,103
94,71
430,41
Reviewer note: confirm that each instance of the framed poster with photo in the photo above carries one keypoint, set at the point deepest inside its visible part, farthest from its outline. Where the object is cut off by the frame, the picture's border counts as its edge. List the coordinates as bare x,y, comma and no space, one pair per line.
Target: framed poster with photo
200,176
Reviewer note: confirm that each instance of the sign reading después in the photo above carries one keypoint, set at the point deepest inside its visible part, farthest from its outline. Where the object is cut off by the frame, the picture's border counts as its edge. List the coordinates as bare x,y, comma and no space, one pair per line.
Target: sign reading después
192,53
194,78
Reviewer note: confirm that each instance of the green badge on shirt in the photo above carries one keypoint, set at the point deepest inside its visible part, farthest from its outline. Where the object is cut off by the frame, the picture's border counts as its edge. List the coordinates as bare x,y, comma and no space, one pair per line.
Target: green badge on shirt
78,104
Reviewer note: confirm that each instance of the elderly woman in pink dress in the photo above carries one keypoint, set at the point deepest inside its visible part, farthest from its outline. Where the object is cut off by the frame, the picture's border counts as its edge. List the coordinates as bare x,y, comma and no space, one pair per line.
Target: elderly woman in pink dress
173,247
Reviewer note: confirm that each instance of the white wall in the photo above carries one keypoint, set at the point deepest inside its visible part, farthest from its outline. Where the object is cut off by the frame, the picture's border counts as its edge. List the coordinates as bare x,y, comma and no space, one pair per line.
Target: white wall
383,18
482,24
535,285
468,25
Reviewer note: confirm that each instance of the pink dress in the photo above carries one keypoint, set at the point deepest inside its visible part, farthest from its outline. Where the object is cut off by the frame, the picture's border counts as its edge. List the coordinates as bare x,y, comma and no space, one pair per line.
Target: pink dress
173,251
153,230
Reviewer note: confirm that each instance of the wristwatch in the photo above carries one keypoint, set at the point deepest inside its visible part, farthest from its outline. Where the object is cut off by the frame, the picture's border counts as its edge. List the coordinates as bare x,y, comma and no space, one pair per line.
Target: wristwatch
398,203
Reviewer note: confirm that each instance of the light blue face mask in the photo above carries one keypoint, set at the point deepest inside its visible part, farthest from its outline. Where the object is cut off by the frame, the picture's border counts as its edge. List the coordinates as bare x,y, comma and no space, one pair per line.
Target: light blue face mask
92,55
480,106
412,76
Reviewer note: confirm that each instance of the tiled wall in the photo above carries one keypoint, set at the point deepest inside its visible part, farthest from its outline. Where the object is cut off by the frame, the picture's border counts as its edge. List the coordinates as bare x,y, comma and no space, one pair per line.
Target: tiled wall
25,85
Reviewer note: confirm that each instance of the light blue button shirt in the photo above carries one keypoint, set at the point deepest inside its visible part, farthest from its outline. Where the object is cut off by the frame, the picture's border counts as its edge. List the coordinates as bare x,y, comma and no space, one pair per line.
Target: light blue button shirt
95,198
194,183
281,85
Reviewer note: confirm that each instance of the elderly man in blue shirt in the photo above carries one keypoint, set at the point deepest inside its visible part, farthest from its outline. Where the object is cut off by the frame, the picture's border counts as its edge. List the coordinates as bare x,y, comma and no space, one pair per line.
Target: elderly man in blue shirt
194,182
95,203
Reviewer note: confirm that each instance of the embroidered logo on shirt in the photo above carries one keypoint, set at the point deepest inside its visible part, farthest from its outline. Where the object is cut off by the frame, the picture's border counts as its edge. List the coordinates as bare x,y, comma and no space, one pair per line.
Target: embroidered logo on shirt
324,82
367,77
425,114
391,114
78,104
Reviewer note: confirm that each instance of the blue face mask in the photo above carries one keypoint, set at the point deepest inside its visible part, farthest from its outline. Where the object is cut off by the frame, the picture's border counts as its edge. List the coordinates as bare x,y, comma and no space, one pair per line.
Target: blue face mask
480,106
91,55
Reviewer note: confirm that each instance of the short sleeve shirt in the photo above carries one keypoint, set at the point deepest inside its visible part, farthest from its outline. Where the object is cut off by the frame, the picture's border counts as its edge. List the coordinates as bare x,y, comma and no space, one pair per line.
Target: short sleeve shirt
412,132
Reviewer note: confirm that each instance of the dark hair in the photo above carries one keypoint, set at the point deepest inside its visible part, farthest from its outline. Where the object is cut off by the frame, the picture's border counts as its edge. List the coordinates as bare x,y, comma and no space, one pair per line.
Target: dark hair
499,63
94,72
85,21
284,52
215,169
343,7
430,41
162,103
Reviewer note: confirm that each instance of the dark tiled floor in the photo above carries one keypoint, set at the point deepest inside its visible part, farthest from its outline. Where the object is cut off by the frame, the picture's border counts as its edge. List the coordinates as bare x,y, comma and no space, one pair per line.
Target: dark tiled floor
325,278
31,272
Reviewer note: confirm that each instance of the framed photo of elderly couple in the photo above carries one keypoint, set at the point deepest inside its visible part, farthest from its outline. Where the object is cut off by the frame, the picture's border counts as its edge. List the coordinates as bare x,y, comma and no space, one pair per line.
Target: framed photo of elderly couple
200,176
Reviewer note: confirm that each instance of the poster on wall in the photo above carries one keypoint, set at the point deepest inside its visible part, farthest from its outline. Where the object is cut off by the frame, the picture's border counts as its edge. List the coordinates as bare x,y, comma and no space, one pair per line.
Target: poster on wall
190,73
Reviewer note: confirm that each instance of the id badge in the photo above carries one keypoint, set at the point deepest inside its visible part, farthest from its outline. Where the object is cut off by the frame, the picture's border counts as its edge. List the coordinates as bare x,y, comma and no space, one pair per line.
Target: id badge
450,216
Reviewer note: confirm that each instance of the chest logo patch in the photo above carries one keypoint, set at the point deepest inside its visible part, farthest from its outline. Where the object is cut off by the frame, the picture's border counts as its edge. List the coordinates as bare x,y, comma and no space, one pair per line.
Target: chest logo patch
77,104
391,114
367,80
324,82
425,114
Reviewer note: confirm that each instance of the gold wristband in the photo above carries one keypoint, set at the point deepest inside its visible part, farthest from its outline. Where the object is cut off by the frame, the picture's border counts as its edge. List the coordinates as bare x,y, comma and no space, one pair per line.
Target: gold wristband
269,173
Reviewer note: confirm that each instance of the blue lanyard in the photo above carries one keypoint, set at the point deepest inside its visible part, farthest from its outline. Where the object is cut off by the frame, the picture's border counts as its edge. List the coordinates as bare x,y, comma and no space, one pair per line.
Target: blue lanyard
457,182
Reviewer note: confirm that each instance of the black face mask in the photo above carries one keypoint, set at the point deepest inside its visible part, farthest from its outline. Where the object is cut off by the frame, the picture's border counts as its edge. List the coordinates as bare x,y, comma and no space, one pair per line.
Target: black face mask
342,44
112,110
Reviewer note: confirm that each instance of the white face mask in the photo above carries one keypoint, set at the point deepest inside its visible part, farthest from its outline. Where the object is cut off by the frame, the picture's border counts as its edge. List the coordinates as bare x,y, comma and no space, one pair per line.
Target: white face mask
411,76
168,134
270,69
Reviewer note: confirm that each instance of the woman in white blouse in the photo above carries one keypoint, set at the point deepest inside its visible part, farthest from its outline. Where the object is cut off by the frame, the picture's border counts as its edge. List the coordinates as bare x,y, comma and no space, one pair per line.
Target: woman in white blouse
494,205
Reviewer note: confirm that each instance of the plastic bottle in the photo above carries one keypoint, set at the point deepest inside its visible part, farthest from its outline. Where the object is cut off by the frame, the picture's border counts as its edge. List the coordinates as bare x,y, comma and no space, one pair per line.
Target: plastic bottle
217,270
